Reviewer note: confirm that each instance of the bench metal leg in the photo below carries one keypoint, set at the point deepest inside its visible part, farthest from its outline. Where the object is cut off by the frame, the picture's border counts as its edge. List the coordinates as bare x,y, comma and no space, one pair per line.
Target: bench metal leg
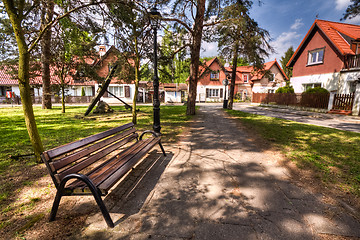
94,191
162,149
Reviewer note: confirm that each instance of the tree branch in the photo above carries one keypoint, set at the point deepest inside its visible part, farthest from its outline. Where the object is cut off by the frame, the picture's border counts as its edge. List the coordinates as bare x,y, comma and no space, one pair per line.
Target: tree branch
58,19
179,21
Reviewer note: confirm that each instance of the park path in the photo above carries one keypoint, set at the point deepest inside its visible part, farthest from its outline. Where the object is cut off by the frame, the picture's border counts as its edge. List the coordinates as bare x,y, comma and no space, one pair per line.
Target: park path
218,183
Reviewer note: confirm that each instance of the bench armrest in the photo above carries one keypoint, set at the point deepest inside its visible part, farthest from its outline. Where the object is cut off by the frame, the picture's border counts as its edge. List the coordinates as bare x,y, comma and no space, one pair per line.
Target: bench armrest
149,131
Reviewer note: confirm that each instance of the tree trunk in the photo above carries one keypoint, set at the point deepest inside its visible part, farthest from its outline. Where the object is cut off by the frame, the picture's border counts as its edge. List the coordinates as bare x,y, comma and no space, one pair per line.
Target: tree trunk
62,96
195,56
137,79
23,78
47,15
233,76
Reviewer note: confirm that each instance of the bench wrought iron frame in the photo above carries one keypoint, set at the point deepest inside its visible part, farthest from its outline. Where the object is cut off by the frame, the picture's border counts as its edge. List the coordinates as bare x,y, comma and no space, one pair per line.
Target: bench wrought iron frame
94,189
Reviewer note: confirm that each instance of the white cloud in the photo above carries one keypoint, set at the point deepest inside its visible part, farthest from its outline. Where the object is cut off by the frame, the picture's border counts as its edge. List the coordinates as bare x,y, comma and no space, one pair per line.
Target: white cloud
209,49
341,4
297,24
354,20
282,43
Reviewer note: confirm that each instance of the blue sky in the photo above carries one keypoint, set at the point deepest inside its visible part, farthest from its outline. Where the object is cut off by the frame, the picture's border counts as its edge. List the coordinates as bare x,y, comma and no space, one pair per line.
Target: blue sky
288,21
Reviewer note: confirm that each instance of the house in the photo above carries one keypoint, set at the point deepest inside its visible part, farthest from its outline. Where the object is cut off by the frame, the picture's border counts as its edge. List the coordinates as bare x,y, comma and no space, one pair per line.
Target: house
327,57
247,81
77,86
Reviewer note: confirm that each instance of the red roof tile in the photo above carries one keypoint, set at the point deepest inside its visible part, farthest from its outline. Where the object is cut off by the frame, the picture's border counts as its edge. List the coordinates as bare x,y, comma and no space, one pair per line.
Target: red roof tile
333,31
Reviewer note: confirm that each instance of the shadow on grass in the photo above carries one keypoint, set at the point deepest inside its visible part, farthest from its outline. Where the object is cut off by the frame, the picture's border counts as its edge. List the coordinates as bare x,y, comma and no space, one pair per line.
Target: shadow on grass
332,153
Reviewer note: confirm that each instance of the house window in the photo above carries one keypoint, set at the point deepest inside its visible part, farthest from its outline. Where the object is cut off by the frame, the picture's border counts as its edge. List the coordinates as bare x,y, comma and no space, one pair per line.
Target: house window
246,78
271,91
214,93
117,91
214,75
316,56
311,85
272,77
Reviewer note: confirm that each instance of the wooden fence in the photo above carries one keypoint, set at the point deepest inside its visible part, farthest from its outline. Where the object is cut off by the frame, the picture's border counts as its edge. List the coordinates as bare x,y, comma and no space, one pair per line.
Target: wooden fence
313,100
343,102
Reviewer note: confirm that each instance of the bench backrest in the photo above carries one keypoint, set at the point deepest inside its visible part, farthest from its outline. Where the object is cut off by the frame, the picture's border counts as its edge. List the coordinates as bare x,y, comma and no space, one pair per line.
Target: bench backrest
76,156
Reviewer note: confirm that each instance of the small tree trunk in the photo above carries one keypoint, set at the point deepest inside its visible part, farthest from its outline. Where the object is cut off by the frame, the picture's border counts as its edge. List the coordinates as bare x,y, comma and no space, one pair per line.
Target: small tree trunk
63,98
47,15
195,56
23,78
137,79
233,76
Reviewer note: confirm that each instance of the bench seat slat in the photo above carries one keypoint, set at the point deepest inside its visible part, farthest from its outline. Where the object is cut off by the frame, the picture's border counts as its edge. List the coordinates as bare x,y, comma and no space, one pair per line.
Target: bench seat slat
112,180
83,142
101,173
56,165
90,160
118,159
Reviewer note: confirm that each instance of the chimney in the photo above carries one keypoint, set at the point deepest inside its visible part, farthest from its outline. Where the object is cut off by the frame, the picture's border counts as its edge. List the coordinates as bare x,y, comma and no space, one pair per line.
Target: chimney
102,50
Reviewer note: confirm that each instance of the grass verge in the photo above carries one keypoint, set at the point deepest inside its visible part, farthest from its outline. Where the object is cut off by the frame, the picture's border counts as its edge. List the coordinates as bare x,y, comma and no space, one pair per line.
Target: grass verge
332,154
23,191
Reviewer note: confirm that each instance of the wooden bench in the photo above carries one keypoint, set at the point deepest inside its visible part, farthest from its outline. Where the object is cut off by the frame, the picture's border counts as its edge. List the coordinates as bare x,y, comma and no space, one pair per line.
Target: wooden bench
96,163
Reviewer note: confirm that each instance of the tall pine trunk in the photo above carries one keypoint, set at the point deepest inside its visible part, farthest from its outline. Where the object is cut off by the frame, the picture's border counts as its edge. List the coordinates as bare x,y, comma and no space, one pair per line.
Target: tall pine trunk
233,76
195,57
23,78
47,15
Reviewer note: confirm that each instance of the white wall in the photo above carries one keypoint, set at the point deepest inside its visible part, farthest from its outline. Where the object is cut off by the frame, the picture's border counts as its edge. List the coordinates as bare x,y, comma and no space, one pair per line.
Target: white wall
201,93
114,100
173,97
330,81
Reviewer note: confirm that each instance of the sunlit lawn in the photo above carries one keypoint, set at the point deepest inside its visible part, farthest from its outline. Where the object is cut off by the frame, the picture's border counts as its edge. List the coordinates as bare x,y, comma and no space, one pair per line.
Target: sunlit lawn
57,128
333,154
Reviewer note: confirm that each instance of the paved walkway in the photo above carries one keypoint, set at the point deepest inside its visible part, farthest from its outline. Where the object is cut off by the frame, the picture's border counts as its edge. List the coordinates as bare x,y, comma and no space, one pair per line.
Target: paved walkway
217,184
341,122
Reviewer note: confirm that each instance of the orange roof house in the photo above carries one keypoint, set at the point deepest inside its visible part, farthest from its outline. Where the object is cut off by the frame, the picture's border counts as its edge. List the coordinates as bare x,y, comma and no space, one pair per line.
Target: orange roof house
212,74
327,57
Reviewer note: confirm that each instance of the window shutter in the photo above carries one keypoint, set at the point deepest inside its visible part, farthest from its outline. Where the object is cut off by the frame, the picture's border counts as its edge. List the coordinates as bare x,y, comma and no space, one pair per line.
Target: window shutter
221,92
127,91
207,93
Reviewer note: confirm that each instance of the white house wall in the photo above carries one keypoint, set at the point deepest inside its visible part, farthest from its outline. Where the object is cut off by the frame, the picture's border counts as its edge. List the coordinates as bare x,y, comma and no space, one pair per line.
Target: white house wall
330,81
173,97
201,93
114,100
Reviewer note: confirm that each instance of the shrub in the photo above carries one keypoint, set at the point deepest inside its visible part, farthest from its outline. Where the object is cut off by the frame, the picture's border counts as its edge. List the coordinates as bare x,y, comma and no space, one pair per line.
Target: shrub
82,91
286,89
317,90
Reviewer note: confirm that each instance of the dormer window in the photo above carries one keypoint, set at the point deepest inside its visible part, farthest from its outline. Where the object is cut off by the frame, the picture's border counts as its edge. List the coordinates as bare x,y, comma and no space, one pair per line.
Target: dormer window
316,56
214,75
246,78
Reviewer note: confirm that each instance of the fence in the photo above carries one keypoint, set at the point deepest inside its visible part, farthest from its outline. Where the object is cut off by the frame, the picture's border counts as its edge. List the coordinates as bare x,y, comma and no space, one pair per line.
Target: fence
343,102
311,100
68,99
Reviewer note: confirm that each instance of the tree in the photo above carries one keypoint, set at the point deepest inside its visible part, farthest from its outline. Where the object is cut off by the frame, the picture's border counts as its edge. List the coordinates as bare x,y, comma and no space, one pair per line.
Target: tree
133,38
284,61
47,13
73,45
241,38
21,14
352,10
193,23
194,16
173,65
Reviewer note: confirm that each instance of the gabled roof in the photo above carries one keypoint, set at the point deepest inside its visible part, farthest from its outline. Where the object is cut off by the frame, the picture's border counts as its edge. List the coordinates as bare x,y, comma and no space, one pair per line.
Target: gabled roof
335,33
250,69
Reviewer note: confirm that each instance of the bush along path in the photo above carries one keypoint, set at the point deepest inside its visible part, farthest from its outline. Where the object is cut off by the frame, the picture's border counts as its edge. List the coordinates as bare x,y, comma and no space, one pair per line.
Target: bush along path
220,182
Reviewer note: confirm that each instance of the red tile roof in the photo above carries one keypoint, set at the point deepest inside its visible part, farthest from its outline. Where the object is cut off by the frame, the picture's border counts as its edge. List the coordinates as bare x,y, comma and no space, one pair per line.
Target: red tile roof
332,31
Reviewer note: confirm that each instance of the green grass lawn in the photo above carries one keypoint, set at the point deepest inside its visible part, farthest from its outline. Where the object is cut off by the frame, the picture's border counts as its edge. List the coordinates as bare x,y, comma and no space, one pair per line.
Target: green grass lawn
56,128
334,155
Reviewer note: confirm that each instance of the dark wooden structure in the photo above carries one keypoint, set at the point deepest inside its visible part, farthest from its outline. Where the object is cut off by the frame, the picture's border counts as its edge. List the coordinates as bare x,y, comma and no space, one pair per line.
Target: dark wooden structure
343,104
311,100
96,163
